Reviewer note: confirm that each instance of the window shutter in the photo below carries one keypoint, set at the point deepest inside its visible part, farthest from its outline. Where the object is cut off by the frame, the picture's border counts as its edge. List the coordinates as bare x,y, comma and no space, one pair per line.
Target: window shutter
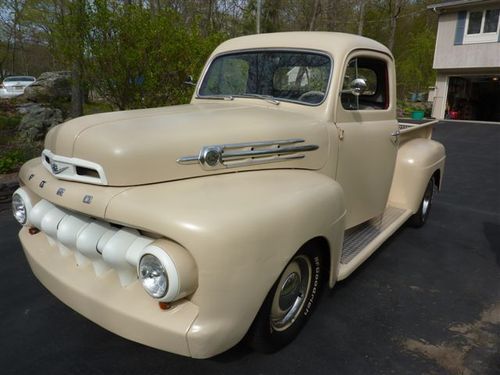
460,30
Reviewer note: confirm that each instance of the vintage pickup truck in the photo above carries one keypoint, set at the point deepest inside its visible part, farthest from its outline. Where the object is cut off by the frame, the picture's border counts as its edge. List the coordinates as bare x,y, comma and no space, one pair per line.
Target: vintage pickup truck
189,228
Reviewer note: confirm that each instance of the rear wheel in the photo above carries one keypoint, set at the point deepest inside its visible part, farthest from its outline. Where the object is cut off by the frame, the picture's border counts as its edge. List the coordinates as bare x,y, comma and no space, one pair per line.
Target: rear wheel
420,217
289,303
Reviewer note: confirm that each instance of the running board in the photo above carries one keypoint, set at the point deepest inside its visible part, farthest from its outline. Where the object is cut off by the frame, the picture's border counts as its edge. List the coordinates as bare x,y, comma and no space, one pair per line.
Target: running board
361,241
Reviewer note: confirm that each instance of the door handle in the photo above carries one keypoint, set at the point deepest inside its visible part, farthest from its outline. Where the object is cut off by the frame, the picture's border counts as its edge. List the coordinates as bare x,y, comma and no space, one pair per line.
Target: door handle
395,136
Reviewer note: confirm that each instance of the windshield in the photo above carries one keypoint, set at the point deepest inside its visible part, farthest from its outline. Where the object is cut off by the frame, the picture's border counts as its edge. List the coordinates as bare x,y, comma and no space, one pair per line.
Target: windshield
283,75
19,79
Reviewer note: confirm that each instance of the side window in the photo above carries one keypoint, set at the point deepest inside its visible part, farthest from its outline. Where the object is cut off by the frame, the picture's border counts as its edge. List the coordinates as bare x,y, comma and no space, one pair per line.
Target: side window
374,93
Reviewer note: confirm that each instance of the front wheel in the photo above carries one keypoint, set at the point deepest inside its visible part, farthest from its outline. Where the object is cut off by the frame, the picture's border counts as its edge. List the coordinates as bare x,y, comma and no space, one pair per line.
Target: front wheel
289,303
420,217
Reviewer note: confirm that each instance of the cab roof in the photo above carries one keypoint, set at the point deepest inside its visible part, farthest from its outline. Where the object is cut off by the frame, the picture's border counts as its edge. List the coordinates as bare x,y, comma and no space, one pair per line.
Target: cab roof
336,44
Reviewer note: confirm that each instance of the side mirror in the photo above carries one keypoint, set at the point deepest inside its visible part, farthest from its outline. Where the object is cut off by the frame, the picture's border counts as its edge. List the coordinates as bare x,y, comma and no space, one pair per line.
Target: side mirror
189,81
358,86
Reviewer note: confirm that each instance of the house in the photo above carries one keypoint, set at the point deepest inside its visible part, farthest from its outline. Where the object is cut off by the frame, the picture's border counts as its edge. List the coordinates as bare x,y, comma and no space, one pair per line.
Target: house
467,60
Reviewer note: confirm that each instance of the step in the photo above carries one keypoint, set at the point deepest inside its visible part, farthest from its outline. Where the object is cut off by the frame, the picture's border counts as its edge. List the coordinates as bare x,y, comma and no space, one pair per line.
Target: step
361,241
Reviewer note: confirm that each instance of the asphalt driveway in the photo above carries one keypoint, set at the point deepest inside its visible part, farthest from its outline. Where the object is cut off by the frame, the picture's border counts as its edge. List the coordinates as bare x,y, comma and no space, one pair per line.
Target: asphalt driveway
427,302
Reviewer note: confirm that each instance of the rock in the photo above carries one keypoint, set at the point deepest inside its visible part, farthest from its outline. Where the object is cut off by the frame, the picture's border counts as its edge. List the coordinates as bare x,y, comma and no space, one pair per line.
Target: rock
50,86
8,184
24,108
37,121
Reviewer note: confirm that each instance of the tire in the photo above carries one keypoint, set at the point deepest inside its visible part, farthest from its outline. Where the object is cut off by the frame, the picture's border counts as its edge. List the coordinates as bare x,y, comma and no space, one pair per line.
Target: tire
285,310
420,217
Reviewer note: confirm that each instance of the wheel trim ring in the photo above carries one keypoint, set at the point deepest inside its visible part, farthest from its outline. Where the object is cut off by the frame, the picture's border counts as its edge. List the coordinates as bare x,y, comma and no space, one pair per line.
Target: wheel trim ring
280,319
426,202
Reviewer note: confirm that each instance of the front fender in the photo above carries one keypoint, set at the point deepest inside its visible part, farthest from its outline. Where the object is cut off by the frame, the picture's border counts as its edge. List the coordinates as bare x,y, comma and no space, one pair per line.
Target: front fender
241,229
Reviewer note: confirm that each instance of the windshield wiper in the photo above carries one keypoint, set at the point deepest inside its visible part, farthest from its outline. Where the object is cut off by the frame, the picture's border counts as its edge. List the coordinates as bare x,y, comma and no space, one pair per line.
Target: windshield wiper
218,97
267,98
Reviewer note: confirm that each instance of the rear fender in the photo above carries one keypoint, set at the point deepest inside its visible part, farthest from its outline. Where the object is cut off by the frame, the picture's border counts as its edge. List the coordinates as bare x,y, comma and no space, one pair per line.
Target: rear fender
417,161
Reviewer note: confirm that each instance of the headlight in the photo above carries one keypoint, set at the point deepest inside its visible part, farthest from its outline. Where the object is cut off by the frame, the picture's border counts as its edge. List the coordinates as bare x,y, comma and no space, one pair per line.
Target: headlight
21,206
153,276
19,209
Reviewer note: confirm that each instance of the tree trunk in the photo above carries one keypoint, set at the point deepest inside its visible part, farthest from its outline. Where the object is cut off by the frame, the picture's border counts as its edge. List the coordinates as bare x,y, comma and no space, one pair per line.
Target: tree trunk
76,90
210,18
77,61
395,11
361,22
315,13
332,17
154,7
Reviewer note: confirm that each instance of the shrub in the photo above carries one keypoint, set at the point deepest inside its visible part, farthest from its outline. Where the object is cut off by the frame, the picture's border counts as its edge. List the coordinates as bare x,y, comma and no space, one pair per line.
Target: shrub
138,59
11,161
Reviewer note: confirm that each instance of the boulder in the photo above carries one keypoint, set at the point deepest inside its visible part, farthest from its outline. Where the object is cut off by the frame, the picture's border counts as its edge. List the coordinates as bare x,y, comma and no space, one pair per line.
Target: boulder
50,86
24,108
37,121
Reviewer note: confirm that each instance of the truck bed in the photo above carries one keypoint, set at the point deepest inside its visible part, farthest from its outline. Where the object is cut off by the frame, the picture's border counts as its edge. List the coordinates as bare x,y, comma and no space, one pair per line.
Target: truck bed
410,128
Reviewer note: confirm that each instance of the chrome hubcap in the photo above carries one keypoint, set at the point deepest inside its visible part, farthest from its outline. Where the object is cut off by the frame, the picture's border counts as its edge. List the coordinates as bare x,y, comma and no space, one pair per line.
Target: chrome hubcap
291,293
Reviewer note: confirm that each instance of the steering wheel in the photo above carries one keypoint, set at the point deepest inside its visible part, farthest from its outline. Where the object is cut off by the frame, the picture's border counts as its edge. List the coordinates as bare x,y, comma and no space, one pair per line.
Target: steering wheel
310,95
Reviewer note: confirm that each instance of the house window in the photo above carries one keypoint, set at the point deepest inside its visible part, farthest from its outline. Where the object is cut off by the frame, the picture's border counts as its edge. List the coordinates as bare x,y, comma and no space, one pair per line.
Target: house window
482,26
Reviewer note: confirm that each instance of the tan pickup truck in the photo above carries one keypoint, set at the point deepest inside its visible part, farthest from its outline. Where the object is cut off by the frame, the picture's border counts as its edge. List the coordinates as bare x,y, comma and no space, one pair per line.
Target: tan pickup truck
189,228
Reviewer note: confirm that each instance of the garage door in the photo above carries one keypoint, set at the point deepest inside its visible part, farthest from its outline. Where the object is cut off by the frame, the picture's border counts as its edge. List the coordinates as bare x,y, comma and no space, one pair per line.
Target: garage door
474,98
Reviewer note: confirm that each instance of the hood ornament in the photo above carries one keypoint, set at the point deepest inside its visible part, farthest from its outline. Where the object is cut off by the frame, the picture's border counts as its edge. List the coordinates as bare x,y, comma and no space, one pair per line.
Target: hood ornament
246,154
56,169
74,169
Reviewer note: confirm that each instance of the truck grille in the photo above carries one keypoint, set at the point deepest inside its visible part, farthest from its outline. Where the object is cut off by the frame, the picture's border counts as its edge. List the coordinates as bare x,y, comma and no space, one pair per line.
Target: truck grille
89,240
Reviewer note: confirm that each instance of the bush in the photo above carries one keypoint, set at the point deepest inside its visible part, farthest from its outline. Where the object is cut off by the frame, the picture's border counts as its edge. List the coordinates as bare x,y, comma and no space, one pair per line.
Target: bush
9,123
139,59
11,161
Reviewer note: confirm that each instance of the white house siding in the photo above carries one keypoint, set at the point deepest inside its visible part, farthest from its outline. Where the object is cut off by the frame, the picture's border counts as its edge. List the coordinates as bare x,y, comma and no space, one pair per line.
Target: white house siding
460,60
450,56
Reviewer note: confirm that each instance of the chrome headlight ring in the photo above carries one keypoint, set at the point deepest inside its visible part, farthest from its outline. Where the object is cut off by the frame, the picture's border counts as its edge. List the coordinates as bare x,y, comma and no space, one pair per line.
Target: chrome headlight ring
158,274
21,206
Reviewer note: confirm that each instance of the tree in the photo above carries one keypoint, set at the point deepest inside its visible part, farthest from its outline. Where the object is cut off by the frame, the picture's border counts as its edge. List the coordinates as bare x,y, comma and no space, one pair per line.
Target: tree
11,17
138,59
68,33
415,63
136,53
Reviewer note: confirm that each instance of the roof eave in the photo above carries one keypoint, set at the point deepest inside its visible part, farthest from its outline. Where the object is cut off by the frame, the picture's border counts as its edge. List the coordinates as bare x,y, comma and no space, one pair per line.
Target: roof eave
438,7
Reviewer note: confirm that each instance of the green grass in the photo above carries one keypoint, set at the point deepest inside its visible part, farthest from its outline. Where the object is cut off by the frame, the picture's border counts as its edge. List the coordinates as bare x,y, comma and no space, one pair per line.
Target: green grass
9,123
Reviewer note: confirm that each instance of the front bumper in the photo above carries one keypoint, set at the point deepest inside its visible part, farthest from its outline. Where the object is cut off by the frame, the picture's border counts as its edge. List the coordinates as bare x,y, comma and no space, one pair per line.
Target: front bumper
128,312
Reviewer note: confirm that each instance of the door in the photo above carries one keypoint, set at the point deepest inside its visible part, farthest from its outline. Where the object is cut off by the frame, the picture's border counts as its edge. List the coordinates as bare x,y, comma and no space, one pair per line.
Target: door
368,128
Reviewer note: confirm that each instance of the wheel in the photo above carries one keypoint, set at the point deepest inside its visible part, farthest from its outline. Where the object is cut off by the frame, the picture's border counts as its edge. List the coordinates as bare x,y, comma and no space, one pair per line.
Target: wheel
289,303
420,217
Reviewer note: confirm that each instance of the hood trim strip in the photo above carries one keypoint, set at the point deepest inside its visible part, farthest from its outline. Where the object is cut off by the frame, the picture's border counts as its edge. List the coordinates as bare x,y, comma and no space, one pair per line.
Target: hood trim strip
228,156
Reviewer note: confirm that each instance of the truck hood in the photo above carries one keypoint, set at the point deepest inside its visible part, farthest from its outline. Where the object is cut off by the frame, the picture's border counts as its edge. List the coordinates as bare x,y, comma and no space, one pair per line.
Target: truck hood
154,145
